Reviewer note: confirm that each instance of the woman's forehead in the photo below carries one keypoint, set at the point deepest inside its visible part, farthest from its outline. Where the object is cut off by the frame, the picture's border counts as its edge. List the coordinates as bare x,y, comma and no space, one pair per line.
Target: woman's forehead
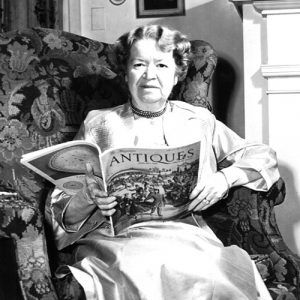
147,48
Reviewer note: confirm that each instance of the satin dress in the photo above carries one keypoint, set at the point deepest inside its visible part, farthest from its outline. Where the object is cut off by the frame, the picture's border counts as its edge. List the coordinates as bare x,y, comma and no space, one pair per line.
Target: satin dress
162,260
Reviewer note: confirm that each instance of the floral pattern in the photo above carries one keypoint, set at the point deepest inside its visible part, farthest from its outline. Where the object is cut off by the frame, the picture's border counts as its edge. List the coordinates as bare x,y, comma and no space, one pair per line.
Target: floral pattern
55,42
49,80
21,57
248,220
31,252
14,139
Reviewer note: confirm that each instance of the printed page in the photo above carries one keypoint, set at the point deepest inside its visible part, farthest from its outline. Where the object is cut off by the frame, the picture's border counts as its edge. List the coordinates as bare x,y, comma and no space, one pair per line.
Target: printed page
64,164
150,184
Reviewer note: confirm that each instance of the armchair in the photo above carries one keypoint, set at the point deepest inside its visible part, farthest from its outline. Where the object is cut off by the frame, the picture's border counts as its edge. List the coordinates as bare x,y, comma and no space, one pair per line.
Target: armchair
49,80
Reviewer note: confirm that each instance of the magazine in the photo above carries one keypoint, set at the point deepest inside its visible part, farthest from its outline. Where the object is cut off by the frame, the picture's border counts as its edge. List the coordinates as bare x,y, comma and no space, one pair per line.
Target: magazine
149,184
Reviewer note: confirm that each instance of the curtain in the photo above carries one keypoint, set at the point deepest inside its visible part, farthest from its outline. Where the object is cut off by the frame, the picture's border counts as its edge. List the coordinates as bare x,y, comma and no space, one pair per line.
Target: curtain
49,13
19,14
4,15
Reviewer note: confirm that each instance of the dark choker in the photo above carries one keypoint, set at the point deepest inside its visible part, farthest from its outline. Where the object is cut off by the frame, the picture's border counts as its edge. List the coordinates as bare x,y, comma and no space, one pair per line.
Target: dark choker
147,114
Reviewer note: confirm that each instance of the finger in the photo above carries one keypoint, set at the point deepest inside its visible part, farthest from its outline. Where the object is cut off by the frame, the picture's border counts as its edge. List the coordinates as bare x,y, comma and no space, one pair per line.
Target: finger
205,199
91,190
107,208
108,213
204,204
89,170
196,191
90,176
91,182
210,192
209,202
105,203
99,193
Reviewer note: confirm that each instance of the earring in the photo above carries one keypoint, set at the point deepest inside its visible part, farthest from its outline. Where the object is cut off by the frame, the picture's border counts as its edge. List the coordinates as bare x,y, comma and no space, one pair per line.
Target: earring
175,80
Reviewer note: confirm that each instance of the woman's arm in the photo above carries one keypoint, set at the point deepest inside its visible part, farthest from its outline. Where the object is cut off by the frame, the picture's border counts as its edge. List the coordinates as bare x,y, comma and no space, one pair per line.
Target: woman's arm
71,211
253,165
238,163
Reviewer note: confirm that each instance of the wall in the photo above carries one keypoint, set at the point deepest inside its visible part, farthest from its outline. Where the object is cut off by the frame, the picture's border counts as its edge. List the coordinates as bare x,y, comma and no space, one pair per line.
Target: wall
217,22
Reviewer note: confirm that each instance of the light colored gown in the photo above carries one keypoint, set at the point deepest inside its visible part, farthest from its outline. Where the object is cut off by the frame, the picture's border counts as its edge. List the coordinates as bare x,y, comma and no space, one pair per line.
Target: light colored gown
158,260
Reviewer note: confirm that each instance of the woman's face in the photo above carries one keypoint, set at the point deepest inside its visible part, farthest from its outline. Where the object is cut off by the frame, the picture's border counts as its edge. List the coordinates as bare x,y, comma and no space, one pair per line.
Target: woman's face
150,75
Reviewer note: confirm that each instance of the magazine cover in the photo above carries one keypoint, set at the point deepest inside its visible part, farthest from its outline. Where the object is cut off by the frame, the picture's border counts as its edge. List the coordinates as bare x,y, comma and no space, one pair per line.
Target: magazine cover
149,184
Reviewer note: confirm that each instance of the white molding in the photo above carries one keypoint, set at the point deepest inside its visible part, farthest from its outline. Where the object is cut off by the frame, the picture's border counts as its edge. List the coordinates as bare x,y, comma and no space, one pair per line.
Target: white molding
66,15
280,11
263,6
280,70
71,16
282,92
272,7
241,1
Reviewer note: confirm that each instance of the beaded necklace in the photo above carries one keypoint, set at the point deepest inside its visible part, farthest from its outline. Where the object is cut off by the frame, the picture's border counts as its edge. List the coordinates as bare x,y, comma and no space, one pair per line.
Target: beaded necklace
148,114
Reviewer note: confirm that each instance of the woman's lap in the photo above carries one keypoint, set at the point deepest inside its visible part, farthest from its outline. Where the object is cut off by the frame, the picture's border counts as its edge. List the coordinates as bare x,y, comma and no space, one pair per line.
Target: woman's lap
163,260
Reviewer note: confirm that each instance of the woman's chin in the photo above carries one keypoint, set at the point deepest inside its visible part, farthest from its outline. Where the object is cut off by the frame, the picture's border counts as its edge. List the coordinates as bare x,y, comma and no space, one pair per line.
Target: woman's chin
151,98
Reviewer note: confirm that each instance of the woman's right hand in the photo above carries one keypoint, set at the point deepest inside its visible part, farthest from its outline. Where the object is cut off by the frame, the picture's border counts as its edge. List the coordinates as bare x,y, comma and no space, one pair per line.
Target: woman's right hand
98,197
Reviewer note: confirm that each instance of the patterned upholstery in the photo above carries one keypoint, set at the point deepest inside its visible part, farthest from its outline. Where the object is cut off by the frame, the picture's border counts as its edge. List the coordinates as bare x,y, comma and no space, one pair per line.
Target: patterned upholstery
49,80
248,220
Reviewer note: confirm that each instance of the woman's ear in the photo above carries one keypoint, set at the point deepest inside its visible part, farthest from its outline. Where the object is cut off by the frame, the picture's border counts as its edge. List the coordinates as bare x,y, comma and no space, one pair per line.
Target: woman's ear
126,78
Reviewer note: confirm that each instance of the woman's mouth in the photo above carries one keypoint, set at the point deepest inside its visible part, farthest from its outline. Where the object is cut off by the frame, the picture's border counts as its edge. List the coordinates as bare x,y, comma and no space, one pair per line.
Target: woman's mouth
149,86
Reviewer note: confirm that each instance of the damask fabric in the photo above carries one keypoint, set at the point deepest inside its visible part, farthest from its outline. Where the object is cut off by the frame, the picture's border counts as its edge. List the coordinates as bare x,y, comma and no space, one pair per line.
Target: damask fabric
164,260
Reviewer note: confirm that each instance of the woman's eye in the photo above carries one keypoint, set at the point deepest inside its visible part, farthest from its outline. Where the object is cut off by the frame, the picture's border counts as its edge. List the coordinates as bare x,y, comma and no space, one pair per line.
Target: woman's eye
138,65
162,66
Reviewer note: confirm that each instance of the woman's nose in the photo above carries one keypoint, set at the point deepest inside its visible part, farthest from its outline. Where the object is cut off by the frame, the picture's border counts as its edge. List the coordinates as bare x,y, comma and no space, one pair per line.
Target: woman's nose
150,72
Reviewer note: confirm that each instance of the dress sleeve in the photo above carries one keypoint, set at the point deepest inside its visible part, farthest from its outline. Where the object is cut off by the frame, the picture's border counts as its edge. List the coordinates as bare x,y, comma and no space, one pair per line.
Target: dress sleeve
258,162
84,132
59,204
61,200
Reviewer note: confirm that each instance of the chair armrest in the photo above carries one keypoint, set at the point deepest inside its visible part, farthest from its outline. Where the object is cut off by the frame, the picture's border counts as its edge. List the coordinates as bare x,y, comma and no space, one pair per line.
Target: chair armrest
286,263
23,223
247,218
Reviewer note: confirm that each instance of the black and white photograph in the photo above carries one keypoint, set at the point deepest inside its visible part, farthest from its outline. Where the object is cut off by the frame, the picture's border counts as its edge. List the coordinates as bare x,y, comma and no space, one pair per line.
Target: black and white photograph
149,150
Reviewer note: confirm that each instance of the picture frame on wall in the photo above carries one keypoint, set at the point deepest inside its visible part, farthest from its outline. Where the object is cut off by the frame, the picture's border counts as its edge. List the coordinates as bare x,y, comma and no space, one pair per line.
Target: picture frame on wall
159,8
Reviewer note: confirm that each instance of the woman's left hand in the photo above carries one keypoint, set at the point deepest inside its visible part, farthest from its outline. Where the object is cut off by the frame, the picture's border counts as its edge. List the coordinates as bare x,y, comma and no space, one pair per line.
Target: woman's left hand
209,192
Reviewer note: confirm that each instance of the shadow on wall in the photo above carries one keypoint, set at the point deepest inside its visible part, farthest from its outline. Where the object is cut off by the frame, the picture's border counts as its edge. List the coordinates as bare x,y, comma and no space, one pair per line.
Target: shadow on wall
223,85
288,213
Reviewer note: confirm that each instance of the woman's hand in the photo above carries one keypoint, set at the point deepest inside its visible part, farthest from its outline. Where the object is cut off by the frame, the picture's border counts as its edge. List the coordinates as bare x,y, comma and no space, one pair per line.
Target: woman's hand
100,198
210,191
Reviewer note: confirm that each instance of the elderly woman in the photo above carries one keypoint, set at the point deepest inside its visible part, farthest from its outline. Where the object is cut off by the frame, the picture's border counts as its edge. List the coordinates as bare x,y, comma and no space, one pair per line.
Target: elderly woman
178,259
